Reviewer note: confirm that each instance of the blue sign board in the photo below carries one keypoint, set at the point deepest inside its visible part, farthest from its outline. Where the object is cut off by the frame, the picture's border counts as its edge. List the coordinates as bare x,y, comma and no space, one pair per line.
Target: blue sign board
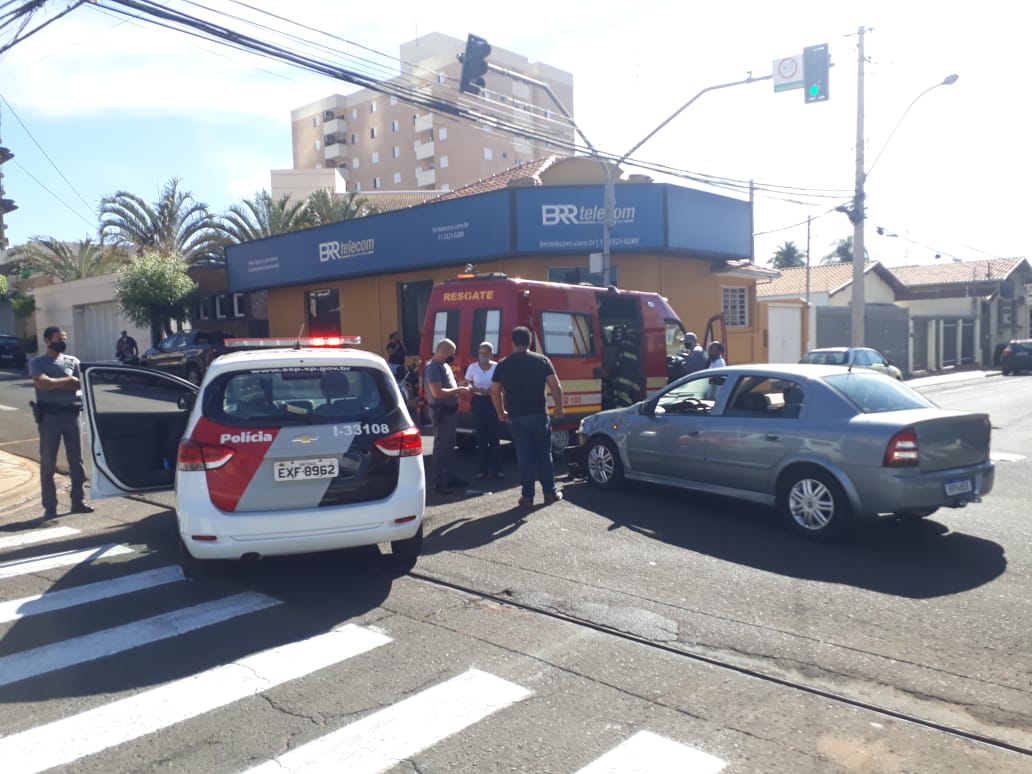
563,219
455,231
549,220
708,223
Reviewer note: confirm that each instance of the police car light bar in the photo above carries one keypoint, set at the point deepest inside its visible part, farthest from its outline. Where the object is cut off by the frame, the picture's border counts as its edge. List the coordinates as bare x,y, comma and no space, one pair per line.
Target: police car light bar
311,341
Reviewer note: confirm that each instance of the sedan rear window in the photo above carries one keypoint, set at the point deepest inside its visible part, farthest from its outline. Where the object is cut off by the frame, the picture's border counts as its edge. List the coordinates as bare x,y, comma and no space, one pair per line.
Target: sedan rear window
874,393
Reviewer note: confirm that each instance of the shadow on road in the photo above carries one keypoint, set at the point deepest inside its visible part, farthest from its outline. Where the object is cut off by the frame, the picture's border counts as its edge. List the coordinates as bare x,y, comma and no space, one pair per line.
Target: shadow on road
919,560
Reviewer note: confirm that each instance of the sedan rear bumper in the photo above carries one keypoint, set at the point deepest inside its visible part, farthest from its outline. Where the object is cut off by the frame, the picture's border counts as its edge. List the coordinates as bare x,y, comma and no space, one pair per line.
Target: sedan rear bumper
886,491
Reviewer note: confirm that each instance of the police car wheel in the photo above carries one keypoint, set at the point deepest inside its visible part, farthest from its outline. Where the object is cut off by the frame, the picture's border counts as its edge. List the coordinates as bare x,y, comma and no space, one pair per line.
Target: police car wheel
603,463
192,566
404,553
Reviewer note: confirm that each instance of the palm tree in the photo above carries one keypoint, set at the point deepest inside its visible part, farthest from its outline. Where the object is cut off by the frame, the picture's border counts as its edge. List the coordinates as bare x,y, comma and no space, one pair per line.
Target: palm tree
261,217
67,261
787,256
843,252
325,207
175,225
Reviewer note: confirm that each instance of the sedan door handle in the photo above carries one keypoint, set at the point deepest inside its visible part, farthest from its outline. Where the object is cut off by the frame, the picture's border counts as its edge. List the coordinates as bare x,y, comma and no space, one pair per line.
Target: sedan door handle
773,437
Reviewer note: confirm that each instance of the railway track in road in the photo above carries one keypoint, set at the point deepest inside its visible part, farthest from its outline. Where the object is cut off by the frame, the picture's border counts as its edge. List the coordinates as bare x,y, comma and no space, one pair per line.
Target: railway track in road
728,665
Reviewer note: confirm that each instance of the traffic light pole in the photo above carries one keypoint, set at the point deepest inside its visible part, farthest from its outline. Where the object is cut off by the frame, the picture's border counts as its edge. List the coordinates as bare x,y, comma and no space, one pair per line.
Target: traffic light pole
612,168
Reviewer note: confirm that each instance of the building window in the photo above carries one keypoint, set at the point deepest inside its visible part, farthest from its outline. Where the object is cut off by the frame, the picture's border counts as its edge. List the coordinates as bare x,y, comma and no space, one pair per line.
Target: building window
354,112
372,132
318,145
376,157
736,306
396,152
358,186
355,163
488,154
444,162
376,182
342,165
441,77
394,101
315,120
395,126
323,312
442,133
238,305
372,106
220,307
397,178
413,298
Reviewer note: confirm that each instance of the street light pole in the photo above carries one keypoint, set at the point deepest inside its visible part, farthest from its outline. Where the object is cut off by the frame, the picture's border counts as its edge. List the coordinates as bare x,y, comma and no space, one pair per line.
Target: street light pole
856,212
609,201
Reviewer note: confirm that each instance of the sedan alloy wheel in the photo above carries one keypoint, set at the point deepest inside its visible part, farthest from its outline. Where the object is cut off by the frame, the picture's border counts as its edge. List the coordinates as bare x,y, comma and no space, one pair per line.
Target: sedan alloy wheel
604,467
814,504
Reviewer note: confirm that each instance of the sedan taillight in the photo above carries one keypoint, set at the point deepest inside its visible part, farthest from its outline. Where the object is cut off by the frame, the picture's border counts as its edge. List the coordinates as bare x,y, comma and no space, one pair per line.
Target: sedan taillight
902,451
202,456
1008,351
406,443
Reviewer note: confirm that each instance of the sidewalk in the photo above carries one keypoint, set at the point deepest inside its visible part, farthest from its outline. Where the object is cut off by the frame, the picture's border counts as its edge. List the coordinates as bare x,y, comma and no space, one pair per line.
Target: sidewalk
19,477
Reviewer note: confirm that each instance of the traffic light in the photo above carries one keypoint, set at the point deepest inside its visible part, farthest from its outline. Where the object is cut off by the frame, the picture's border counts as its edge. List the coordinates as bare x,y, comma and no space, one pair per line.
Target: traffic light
816,62
474,64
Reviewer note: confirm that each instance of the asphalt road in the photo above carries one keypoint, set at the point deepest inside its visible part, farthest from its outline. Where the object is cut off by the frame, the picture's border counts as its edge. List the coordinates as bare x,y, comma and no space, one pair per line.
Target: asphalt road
651,618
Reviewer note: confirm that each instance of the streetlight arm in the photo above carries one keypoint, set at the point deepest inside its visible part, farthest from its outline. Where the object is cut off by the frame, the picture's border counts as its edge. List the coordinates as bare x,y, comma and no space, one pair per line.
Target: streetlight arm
949,80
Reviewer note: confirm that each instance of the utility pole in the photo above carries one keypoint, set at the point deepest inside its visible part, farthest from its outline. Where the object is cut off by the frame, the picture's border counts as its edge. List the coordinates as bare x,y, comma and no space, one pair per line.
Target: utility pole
858,334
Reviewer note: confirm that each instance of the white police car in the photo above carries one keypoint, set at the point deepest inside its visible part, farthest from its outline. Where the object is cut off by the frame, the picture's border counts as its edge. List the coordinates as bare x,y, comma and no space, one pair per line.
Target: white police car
277,451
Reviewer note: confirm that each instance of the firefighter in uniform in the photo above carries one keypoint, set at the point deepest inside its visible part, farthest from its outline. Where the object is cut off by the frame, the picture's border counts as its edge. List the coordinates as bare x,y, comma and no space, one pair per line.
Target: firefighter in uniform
57,406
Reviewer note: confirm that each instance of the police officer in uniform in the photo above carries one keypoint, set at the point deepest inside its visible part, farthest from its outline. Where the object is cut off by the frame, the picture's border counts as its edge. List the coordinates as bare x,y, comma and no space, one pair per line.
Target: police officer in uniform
58,403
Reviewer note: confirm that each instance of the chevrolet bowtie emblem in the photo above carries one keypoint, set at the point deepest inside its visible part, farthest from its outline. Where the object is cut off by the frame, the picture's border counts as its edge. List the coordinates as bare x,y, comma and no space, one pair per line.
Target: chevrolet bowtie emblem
306,438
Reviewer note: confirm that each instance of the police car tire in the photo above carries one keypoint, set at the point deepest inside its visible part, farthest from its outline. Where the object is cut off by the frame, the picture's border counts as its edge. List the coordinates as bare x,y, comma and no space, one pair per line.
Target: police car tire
405,553
191,566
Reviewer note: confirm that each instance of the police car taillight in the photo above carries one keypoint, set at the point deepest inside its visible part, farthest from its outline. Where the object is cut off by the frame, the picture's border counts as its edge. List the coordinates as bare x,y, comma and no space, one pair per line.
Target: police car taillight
407,443
202,456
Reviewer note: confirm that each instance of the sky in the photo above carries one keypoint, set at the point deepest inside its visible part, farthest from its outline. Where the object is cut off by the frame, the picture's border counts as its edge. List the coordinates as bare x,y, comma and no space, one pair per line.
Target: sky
97,102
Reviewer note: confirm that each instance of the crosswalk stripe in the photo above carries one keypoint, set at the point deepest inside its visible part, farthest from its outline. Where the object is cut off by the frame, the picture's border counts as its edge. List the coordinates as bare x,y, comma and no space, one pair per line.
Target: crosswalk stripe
36,536
645,753
63,559
90,592
66,740
89,647
377,742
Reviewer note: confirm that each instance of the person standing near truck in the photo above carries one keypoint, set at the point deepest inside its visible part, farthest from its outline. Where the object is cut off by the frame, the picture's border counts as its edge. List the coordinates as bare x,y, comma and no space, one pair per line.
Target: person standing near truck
443,393
485,420
58,404
518,394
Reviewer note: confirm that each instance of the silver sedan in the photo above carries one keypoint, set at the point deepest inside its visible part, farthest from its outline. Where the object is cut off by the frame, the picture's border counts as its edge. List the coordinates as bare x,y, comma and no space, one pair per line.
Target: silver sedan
822,445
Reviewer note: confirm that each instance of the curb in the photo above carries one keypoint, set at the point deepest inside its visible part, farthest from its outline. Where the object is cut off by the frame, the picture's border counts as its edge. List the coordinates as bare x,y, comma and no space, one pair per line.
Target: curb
19,482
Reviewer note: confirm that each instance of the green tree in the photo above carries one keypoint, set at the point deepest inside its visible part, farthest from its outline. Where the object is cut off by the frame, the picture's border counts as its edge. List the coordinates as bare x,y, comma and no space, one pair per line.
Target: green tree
175,225
66,261
787,256
261,217
325,207
154,290
843,252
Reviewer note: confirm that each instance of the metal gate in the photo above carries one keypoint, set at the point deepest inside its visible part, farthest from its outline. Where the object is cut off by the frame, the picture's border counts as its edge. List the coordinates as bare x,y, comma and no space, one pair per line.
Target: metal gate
886,329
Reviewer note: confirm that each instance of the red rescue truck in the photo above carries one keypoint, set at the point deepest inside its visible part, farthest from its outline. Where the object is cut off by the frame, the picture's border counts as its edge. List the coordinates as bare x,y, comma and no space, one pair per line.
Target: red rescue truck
610,347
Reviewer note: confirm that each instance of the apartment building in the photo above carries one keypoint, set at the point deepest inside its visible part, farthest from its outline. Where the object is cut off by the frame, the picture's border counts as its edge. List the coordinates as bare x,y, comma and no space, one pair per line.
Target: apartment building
378,142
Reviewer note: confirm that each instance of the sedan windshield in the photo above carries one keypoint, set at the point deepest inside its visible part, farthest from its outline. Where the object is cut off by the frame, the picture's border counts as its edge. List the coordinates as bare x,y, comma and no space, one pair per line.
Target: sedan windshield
873,393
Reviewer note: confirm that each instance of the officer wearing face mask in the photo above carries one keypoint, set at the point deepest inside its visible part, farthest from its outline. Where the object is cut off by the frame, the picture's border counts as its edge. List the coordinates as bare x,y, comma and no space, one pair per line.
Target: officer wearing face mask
443,394
58,404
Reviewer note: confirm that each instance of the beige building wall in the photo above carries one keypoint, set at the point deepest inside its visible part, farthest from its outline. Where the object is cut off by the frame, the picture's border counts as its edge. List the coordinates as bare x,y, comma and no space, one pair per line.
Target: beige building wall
378,142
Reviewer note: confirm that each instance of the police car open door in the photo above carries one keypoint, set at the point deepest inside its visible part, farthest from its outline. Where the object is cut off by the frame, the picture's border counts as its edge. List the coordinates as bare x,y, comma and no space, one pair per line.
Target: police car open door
134,418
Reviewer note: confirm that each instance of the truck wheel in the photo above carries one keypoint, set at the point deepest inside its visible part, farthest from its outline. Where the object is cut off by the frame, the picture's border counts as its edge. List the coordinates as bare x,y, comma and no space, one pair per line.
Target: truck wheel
604,467
193,374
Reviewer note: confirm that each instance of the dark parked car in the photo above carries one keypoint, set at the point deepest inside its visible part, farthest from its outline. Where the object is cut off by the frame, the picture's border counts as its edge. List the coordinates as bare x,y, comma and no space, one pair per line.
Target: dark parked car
1016,357
11,349
821,444
187,353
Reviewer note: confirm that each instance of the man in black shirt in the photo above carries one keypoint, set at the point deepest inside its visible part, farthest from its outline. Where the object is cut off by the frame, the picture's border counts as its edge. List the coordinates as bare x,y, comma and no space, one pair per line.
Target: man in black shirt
518,393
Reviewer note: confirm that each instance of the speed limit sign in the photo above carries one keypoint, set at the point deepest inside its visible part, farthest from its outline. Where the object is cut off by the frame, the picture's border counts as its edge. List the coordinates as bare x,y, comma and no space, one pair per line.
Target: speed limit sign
788,73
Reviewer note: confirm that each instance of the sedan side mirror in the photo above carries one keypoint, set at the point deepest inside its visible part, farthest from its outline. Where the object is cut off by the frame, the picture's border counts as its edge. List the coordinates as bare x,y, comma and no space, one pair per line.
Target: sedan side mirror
186,401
